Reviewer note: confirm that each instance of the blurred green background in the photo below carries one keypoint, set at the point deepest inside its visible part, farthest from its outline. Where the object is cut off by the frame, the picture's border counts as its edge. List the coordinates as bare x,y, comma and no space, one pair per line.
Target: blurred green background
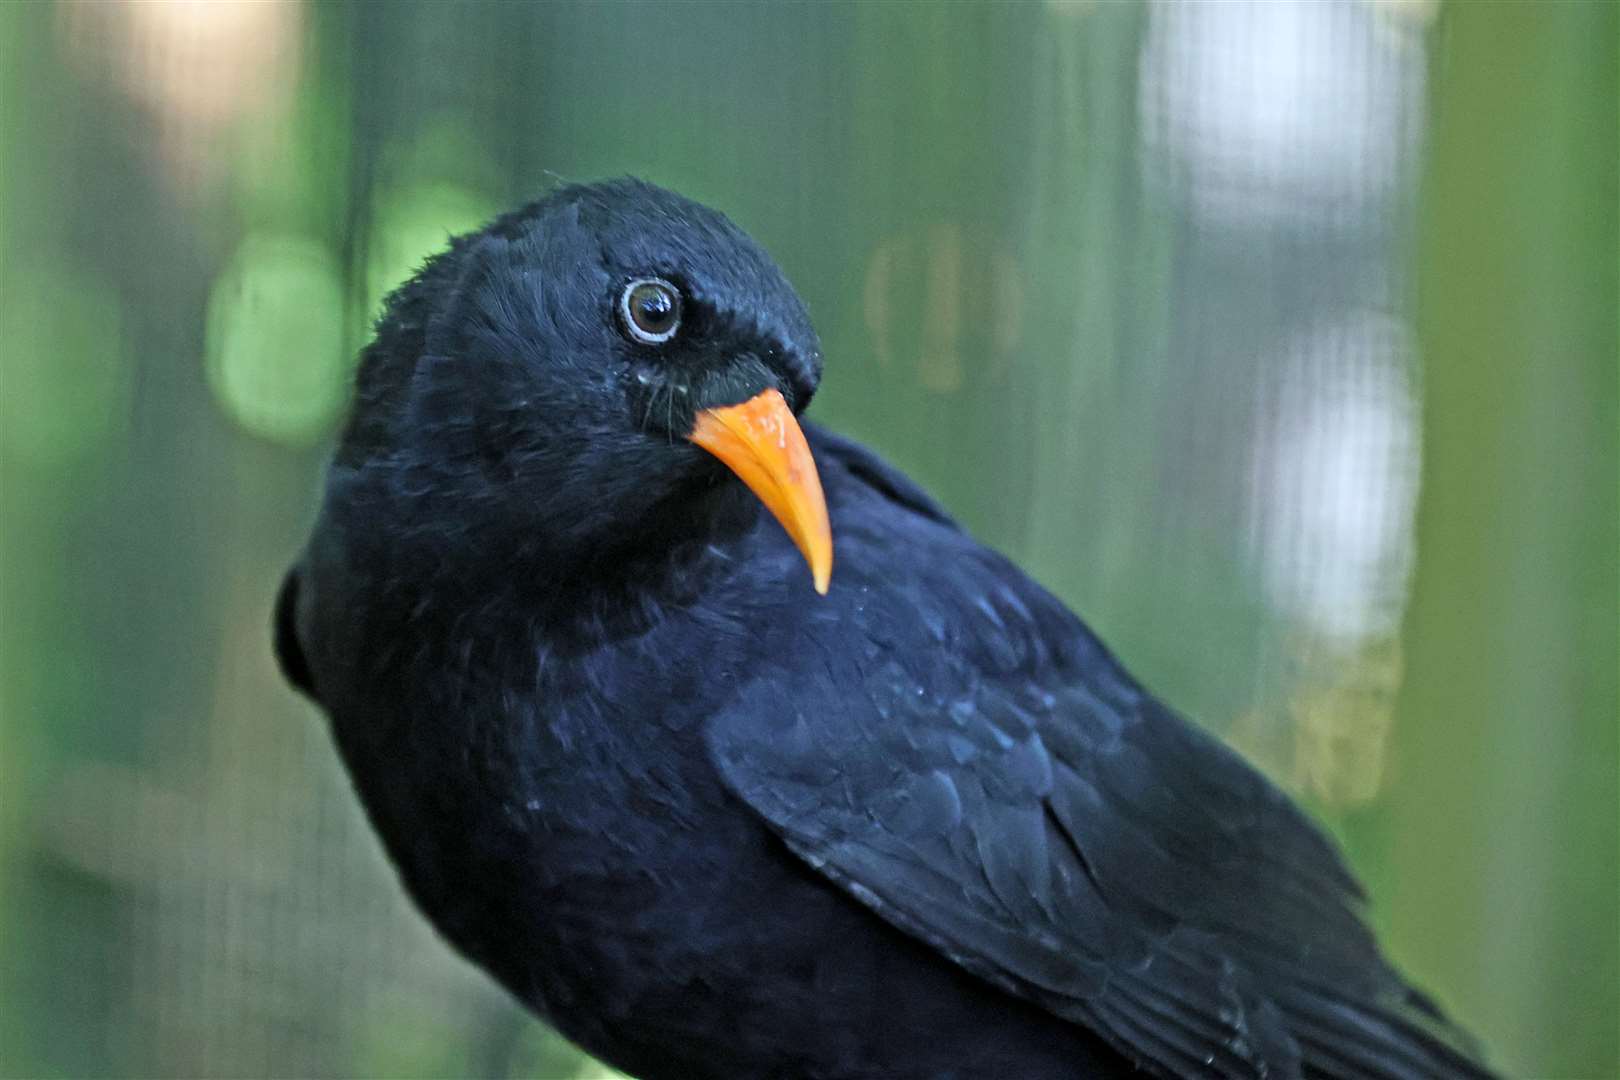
1279,338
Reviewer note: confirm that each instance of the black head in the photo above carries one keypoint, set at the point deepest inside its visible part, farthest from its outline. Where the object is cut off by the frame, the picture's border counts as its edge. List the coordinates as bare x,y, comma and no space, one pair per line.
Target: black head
547,372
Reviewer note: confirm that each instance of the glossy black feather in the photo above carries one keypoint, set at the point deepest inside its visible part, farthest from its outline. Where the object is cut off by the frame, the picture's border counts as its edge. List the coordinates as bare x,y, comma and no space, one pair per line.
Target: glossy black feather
710,824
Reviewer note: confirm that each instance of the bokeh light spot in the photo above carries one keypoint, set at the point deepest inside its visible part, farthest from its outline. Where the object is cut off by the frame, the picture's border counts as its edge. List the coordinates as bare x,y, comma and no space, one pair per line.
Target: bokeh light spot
409,225
277,360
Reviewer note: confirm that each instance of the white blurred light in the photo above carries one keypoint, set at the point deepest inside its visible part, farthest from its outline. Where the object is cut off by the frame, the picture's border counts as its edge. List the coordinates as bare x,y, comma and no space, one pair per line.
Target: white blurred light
1336,477
1279,109
200,66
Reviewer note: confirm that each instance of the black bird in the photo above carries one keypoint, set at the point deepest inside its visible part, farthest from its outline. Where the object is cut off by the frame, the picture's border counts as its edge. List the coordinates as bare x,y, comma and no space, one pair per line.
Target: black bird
709,823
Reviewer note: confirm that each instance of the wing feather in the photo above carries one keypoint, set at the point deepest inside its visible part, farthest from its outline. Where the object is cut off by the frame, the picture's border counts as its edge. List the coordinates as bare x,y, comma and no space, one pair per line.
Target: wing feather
972,764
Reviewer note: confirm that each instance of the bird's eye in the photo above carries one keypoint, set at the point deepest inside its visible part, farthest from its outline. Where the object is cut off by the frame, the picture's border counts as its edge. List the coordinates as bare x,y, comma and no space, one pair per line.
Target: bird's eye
651,310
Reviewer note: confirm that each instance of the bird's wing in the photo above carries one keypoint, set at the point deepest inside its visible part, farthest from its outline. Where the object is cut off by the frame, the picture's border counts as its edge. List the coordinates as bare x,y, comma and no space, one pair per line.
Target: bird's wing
971,764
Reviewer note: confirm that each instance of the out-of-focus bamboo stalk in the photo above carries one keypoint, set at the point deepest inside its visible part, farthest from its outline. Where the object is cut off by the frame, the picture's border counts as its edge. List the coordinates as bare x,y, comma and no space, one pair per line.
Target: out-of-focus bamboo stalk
1511,634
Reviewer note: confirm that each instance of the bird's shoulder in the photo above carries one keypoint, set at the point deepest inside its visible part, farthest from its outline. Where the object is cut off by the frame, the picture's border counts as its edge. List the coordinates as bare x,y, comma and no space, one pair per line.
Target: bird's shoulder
857,465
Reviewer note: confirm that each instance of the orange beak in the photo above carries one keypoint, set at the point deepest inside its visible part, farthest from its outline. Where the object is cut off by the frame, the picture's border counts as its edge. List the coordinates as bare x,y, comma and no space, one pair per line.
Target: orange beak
761,442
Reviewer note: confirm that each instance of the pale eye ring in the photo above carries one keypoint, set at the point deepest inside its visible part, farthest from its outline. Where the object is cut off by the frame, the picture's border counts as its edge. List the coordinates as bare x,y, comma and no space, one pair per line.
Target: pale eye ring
650,310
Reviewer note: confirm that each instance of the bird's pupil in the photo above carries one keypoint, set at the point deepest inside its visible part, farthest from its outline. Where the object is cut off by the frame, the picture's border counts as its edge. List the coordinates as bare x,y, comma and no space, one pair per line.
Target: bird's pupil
653,308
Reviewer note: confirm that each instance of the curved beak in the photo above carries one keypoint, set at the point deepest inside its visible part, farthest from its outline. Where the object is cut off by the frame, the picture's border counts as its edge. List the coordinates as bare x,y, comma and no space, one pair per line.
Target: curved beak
762,443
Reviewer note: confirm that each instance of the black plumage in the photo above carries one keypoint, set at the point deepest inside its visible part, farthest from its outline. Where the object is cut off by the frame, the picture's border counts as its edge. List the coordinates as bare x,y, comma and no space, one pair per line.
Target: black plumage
709,823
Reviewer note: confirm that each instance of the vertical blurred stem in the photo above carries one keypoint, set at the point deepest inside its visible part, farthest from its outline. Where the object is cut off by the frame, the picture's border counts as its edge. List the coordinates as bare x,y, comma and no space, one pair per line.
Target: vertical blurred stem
1509,901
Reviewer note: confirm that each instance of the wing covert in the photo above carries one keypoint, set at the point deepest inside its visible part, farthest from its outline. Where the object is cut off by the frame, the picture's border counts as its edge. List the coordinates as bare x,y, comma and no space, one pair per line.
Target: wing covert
1017,802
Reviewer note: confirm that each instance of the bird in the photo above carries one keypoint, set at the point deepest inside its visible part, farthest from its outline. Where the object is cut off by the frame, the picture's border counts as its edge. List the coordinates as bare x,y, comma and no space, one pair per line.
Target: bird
712,807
